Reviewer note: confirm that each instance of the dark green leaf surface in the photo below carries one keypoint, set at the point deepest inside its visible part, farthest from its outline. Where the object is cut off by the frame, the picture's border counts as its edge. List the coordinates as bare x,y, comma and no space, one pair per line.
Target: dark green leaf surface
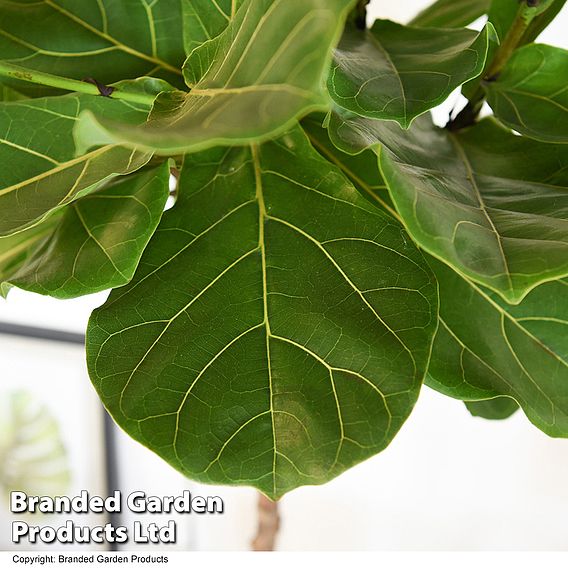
491,204
8,94
451,13
204,20
362,170
277,330
99,239
36,139
16,250
104,39
498,408
242,87
395,72
531,93
486,348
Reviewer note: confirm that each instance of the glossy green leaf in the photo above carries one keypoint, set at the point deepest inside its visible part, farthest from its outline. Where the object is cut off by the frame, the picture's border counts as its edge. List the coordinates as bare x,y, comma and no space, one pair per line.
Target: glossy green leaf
277,330
491,204
451,13
362,170
498,408
17,249
104,39
204,20
99,239
36,139
242,88
531,93
485,348
395,72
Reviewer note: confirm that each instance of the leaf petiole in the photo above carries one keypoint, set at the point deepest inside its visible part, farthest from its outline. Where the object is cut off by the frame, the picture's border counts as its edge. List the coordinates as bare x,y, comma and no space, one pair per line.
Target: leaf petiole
526,14
88,87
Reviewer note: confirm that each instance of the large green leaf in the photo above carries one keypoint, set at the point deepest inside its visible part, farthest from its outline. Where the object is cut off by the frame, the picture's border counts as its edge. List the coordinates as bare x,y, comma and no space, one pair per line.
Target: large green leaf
485,348
36,140
104,39
204,20
395,72
451,13
491,204
498,408
531,93
99,239
278,328
251,83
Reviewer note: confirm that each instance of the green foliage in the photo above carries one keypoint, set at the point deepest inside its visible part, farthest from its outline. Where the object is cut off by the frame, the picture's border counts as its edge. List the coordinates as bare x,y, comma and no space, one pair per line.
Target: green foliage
110,41
330,249
394,72
451,13
108,229
240,89
485,348
531,93
275,269
493,409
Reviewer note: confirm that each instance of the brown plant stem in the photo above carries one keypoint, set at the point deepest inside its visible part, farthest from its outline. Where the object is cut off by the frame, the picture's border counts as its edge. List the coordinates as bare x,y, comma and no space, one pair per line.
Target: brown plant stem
268,525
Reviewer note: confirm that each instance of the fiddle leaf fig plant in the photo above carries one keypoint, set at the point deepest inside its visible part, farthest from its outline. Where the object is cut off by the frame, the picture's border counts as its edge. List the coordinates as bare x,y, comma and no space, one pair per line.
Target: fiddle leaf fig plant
327,247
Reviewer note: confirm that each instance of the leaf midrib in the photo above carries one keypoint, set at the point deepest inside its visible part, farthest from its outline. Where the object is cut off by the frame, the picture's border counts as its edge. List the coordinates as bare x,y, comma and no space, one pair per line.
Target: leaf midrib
385,53
473,183
262,217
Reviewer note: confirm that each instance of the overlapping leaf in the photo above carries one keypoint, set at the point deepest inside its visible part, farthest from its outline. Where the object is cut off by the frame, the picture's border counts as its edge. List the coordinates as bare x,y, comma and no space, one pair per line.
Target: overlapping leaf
17,249
531,93
98,241
362,169
485,348
45,172
498,408
204,20
394,72
491,204
451,13
243,88
277,329
502,15
104,39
